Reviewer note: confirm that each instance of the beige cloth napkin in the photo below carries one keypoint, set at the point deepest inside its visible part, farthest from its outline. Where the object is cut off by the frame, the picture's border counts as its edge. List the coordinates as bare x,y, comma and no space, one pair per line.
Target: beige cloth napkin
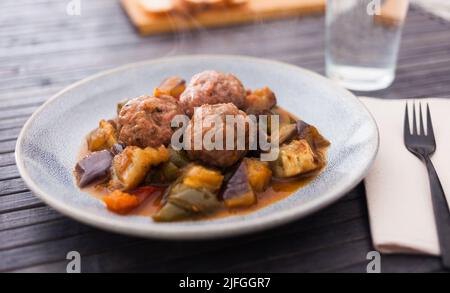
398,195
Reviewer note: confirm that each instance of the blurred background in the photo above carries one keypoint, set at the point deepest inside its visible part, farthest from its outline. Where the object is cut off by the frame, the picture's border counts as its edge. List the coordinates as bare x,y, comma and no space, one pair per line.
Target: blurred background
43,47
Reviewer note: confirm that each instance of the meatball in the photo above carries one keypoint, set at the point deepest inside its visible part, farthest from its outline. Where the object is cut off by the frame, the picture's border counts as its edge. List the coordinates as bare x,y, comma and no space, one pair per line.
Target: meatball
211,121
212,87
145,121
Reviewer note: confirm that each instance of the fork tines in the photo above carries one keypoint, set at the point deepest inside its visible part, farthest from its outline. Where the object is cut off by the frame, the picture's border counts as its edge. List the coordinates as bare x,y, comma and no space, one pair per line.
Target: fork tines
407,130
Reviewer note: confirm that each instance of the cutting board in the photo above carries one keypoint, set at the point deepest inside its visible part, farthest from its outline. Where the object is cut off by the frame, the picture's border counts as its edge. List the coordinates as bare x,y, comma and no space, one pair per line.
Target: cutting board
147,23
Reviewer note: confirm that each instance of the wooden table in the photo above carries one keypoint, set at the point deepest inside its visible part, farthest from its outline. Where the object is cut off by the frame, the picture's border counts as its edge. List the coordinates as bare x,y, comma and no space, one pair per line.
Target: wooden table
43,50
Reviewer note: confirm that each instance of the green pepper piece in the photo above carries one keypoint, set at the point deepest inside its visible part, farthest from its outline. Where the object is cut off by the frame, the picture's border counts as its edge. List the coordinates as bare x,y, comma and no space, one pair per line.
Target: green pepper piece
171,212
199,201
178,158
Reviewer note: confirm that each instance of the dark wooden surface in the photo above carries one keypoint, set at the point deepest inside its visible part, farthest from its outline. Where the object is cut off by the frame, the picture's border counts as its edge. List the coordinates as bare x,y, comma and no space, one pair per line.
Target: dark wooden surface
43,50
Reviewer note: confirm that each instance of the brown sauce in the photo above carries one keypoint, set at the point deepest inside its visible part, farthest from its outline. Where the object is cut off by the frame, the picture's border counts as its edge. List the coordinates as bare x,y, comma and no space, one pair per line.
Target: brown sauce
275,192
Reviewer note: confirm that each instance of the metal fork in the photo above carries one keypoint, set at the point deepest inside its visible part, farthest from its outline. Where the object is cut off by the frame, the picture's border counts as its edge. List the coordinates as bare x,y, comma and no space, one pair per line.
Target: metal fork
423,146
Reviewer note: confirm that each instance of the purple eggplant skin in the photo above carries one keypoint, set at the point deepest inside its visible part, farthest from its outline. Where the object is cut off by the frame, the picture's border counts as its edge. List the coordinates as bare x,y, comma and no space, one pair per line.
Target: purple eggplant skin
95,167
312,135
117,149
238,192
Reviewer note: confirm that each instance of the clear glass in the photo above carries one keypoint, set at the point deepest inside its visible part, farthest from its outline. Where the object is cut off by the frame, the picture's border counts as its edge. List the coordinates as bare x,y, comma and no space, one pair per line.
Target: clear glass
362,42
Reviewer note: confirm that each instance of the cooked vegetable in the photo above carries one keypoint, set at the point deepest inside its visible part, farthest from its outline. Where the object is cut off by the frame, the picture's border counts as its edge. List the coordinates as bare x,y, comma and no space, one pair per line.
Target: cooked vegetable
124,202
260,100
130,167
93,168
164,175
295,158
121,104
192,194
117,149
196,200
259,174
171,212
102,138
172,86
285,116
311,135
121,202
238,192
184,202
286,132
179,158
199,177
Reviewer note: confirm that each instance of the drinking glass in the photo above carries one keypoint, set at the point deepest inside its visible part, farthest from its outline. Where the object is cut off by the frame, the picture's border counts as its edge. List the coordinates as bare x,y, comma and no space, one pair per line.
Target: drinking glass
362,42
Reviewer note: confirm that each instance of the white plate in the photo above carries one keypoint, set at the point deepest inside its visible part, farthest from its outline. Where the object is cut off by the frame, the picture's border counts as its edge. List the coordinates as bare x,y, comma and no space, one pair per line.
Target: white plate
48,145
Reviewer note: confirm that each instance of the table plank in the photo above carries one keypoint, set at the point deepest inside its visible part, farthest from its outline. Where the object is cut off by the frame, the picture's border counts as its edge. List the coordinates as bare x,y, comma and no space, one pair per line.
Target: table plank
49,50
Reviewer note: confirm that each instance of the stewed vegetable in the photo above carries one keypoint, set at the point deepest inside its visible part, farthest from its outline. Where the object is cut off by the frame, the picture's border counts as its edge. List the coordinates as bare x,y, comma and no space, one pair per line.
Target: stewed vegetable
132,162
172,86
239,192
93,168
124,202
194,193
130,167
251,176
102,138
295,158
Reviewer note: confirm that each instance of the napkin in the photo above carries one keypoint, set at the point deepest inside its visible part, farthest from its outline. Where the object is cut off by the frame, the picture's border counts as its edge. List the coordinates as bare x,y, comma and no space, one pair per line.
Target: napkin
397,187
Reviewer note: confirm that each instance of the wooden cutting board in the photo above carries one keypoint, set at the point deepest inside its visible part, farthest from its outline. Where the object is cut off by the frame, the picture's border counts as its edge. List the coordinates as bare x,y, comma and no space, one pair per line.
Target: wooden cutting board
147,23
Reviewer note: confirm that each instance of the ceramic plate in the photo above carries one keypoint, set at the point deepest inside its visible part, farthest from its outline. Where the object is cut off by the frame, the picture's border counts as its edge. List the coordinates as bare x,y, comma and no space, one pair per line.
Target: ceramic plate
48,145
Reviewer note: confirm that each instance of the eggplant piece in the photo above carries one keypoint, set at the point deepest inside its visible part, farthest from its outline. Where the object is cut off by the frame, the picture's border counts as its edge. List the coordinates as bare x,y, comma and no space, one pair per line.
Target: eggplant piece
286,133
238,192
102,138
284,117
294,159
311,135
117,149
131,166
93,168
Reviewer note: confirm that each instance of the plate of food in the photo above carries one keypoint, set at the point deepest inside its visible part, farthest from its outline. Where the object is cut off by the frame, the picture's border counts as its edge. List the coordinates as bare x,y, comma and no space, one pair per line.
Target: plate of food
196,147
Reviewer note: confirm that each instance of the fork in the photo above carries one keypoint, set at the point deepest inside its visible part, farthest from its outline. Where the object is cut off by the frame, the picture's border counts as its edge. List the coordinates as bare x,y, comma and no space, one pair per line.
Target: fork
423,146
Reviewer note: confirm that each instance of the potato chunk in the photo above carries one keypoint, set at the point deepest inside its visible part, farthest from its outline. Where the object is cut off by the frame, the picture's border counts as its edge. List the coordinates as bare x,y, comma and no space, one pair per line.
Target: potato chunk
294,159
259,174
102,138
130,167
259,101
199,177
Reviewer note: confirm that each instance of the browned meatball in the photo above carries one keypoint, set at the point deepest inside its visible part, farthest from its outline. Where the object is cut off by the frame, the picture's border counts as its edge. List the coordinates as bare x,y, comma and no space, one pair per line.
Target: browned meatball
145,121
203,123
212,87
